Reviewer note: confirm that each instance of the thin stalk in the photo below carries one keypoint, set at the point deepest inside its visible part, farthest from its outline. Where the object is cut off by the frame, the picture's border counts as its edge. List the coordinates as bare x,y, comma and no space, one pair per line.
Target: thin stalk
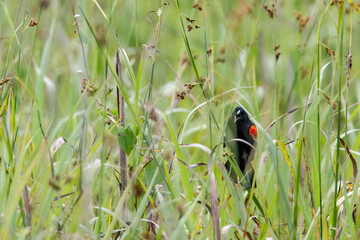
121,113
81,42
318,128
339,51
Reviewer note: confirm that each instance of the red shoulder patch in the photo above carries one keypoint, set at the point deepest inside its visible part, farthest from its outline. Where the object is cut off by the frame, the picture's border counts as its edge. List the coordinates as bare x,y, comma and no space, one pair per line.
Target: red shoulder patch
253,131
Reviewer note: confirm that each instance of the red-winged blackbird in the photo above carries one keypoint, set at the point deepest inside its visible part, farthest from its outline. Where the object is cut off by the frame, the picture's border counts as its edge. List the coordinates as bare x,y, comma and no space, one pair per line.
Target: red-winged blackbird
240,127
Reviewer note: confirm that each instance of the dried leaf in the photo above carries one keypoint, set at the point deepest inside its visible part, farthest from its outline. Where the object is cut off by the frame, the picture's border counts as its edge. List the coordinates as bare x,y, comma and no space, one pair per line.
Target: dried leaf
287,159
355,169
56,145
214,206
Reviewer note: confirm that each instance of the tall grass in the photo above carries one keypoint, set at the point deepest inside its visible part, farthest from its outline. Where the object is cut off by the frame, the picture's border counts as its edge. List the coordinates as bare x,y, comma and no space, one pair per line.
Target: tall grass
186,65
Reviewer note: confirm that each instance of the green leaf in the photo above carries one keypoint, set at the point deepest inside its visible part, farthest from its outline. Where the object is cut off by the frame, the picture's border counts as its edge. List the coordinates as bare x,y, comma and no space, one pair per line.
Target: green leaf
114,112
136,130
150,170
127,139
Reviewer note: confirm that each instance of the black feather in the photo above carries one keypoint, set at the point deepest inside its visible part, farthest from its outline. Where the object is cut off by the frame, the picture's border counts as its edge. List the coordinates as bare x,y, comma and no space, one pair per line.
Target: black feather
238,126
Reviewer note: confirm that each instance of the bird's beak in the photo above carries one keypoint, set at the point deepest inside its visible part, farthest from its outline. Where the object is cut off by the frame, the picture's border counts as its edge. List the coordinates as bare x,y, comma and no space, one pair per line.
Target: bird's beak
236,118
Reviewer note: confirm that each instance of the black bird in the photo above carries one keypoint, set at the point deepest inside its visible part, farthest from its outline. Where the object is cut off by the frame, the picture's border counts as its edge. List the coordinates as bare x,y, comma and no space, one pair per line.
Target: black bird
240,127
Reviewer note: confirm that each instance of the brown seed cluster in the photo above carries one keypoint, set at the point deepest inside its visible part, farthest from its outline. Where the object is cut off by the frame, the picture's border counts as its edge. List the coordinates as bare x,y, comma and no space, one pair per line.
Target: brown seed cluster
330,53
187,89
333,2
303,72
33,23
181,95
277,52
277,56
349,60
227,153
302,20
209,52
216,101
190,23
88,86
190,20
270,11
197,6
5,80
333,104
204,80
348,67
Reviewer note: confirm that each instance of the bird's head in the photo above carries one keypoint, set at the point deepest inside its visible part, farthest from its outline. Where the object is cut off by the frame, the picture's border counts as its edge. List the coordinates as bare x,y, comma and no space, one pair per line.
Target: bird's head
241,117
